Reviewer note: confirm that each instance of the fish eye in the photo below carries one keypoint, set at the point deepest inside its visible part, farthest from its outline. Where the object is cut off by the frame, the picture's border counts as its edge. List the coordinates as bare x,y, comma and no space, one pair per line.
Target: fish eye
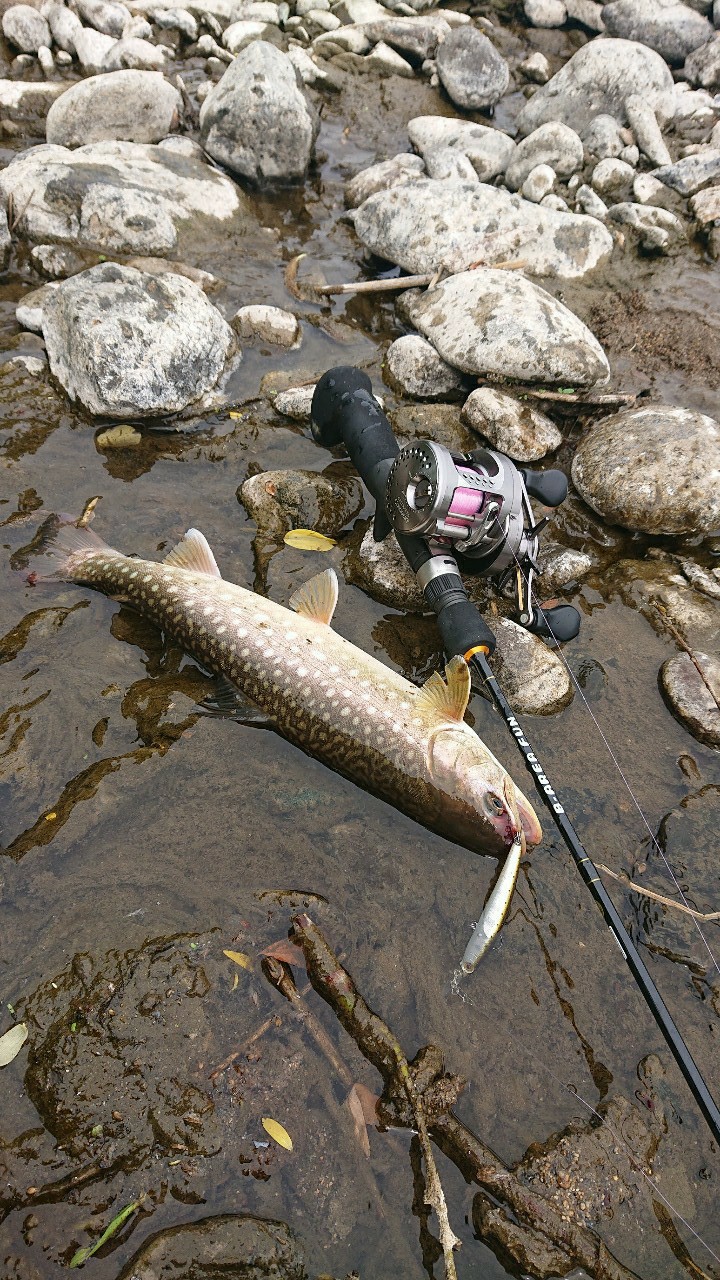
494,805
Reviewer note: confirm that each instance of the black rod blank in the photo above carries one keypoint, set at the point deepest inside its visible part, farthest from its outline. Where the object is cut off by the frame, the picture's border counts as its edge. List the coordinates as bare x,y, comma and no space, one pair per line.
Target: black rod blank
590,876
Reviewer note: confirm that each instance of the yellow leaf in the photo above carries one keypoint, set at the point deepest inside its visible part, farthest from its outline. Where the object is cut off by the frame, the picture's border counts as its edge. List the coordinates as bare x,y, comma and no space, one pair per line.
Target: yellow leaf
308,540
12,1042
236,417
276,1131
240,958
234,983
50,817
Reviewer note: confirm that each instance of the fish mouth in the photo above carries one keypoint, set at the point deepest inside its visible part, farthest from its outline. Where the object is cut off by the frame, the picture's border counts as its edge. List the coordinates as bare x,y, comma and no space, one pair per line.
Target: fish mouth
529,820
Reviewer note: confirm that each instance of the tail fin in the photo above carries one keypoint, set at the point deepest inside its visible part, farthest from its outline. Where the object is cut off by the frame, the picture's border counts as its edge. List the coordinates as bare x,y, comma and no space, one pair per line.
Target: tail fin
63,546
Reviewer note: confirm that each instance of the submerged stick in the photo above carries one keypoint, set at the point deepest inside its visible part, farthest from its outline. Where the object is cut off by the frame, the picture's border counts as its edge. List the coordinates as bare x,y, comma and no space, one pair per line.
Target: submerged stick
408,282
477,1162
657,897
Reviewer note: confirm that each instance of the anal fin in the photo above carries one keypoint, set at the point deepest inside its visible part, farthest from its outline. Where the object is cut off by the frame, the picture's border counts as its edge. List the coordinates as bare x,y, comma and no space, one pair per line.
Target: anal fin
227,702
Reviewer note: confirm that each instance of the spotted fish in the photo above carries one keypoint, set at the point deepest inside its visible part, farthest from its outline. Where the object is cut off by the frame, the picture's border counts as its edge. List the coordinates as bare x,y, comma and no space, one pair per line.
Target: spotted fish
408,745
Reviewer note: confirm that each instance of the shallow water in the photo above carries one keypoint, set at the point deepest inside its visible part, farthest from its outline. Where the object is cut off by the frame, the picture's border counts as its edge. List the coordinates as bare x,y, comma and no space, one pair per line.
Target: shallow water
126,821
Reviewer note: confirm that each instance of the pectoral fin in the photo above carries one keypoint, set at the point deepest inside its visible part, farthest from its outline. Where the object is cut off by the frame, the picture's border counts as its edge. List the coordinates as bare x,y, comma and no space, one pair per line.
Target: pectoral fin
227,702
447,701
317,598
193,552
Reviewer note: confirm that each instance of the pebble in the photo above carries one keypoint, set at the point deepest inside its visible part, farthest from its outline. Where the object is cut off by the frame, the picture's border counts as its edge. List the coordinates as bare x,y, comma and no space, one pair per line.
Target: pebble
706,206
535,68
175,20
92,47
646,189
545,13
656,229
283,500
472,72
694,695
135,55
104,16
488,150
538,184
267,324
395,172
387,61
652,470
499,323
419,38
381,570
586,13
64,26
295,403
589,202
612,178
552,144
47,62
414,367
25,28
692,173
446,163
555,202
258,121
29,311
120,437
603,137
512,426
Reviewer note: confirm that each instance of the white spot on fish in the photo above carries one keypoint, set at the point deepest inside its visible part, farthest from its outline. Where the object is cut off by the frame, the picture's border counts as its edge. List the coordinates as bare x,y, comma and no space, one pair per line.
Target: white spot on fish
241,631
207,610
302,671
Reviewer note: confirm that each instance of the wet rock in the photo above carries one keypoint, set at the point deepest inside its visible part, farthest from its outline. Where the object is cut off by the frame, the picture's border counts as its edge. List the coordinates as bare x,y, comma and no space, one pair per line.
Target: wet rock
438,422
512,426
653,470
105,16
282,500
381,570
535,68
533,678
295,403
34,365
603,137
694,695
135,55
398,171
92,47
703,65
471,70
612,178
119,196
562,566
538,184
414,367
601,79
64,26
138,106
456,224
26,103
125,343
497,322
692,173
416,37
552,144
25,28
656,229
267,324
672,30
545,13
488,150
228,1244
645,584
258,120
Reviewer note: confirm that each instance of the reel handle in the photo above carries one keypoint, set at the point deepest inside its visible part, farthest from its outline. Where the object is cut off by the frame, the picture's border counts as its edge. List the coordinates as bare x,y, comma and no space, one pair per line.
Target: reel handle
344,409
558,624
549,487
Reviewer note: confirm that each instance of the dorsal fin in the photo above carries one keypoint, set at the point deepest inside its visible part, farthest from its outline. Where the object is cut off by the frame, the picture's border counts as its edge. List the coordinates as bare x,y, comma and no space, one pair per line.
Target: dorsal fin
317,598
448,701
193,552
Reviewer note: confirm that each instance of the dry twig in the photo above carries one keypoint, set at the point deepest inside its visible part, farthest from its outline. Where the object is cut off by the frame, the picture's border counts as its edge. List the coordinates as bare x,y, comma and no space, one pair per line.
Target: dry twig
657,897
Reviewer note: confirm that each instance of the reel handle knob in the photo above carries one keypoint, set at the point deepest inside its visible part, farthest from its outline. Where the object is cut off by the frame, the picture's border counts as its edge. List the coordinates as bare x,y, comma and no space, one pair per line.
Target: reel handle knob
556,625
549,487
344,409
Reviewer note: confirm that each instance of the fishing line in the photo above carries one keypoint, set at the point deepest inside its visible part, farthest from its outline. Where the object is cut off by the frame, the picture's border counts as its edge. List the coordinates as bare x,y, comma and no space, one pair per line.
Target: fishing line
616,762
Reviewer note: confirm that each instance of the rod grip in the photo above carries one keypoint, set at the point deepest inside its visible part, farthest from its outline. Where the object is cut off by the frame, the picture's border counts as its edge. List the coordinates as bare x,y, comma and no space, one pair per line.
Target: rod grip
344,409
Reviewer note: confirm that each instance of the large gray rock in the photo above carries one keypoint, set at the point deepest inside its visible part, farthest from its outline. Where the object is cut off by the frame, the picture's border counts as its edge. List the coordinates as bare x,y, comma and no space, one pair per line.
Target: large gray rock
512,426
471,70
25,28
654,470
703,66
499,323
104,15
602,78
92,47
138,106
64,26
124,197
457,224
672,30
534,679
554,144
694,695
126,343
488,150
259,120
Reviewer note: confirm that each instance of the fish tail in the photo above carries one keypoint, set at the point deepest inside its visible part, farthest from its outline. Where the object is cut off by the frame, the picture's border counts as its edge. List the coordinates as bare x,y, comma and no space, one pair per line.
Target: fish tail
64,545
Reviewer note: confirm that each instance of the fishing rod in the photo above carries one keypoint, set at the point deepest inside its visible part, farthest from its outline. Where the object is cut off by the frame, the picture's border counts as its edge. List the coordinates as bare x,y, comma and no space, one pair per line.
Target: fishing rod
473,510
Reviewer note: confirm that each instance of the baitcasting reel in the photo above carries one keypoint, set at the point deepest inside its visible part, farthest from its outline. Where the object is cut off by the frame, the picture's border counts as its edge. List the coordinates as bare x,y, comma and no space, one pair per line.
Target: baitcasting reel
448,511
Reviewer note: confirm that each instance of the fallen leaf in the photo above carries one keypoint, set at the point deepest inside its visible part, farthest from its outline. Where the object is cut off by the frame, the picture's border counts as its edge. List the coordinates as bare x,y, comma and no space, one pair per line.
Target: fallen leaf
234,983
50,817
276,1131
368,1102
12,1042
236,417
121,437
355,1108
82,1255
240,958
285,951
308,540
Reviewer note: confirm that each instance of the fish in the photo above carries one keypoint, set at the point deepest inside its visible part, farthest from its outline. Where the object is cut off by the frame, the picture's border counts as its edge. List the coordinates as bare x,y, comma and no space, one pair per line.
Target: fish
407,744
